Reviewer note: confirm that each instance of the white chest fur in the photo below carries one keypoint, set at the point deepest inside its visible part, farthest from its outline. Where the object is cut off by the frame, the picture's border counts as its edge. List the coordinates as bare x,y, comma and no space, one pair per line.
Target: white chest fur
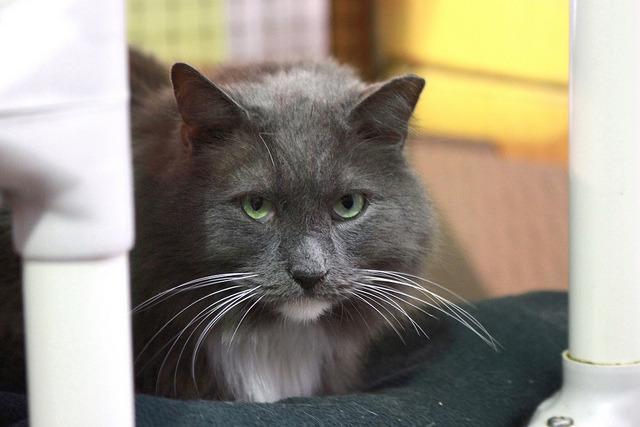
270,363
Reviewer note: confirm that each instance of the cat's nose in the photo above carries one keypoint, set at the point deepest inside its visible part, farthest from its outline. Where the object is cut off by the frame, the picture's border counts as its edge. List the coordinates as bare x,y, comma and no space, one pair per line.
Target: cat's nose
307,279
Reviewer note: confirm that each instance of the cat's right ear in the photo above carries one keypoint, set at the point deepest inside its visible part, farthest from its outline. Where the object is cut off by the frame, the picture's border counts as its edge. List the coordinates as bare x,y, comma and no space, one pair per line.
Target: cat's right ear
204,107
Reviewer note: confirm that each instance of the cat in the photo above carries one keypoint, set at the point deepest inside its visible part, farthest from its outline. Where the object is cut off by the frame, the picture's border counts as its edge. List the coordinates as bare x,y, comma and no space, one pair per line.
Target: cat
291,180
280,228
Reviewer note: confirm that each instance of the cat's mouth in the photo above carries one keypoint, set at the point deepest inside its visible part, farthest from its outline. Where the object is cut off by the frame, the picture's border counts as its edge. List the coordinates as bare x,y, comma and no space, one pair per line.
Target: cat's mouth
305,309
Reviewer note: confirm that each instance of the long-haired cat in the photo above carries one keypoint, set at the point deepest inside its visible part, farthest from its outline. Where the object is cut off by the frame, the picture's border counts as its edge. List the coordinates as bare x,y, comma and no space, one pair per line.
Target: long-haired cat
279,228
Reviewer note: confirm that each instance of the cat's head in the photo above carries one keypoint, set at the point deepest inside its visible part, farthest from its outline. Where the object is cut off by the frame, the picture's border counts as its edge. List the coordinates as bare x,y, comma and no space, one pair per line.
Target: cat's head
297,176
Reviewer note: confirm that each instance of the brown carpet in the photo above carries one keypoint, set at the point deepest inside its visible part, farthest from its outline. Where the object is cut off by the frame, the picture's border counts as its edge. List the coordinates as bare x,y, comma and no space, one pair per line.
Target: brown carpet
506,227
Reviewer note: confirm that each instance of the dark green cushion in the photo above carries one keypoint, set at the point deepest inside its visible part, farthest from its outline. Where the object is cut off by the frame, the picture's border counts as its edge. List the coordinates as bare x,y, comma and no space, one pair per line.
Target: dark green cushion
453,379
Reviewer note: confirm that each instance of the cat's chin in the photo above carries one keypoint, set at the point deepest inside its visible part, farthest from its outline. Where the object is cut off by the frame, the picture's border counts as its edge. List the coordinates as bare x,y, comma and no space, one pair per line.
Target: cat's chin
305,310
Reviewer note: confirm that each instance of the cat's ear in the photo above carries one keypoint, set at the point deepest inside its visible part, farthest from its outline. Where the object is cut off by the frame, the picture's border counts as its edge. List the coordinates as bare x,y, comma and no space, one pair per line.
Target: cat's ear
204,107
384,110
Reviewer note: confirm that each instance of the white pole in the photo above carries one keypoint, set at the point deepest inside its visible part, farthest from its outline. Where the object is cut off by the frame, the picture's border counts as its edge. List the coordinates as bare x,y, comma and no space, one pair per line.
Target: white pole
77,327
66,175
601,385
605,183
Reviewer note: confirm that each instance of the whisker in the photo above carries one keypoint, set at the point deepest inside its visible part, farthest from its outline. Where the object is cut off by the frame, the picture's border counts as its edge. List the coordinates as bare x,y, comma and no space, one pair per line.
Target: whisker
209,327
434,305
486,337
176,338
461,311
395,291
422,290
410,304
267,147
380,313
366,324
406,302
148,343
177,288
455,311
191,285
370,295
195,319
240,322
431,282
388,299
202,317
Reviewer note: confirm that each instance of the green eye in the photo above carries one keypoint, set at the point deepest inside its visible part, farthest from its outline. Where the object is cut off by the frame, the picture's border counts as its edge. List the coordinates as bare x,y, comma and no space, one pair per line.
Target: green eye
349,206
257,207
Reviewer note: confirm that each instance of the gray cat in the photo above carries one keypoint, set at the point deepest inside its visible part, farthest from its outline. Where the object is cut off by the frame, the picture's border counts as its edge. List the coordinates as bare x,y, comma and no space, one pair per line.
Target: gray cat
279,228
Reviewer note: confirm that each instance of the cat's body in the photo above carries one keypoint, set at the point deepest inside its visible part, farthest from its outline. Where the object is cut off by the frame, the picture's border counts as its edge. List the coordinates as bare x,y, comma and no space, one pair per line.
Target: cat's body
309,144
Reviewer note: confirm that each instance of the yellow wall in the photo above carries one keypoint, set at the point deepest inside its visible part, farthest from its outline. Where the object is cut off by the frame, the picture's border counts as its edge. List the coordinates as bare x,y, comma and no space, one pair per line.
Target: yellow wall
191,31
496,69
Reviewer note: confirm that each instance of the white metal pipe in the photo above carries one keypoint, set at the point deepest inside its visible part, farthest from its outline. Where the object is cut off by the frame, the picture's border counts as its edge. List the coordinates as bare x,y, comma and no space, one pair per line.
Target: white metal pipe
592,396
75,320
601,369
604,175
65,173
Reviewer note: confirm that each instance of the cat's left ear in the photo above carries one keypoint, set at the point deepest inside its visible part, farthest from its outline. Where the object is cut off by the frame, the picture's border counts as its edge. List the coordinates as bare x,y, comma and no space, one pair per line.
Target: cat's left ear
384,110
203,105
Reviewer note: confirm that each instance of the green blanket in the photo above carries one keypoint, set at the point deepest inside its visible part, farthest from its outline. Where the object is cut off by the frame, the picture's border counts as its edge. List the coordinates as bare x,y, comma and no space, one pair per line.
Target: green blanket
453,379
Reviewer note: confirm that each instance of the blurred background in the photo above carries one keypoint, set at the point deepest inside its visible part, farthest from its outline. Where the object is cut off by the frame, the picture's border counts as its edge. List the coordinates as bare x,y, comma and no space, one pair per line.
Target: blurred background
490,137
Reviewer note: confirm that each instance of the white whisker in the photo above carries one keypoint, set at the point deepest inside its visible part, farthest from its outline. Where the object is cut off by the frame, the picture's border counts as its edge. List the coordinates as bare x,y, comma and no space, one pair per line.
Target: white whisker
267,147
211,324
191,285
386,297
375,298
434,306
380,313
361,316
148,343
202,317
176,338
364,292
459,310
395,291
240,322
444,288
482,333
382,288
453,309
